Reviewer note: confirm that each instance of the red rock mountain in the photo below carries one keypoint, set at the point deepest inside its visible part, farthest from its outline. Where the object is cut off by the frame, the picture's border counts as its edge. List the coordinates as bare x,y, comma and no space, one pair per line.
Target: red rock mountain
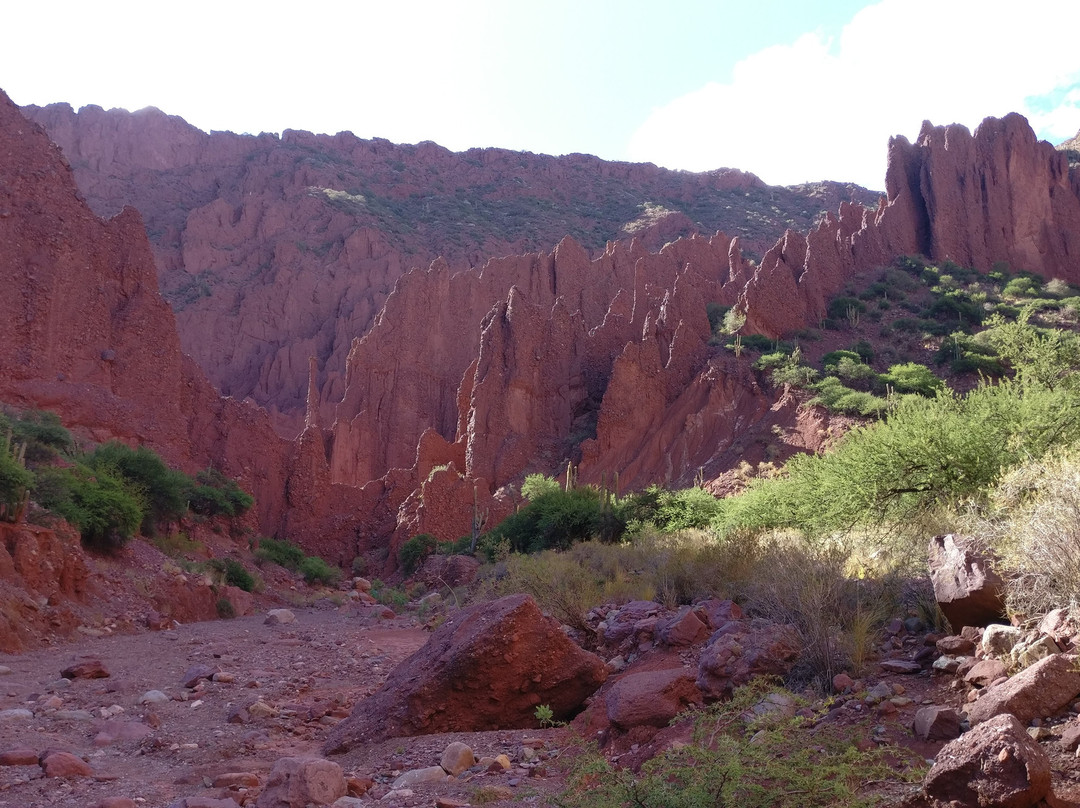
469,378
272,250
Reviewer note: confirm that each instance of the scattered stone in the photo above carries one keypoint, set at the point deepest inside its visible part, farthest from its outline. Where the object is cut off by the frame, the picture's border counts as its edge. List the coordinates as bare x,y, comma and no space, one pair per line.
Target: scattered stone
486,667
683,630
966,587
994,764
19,757
5,670
985,672
416,777
900,666
651,698
295,782
358,786
947,664
1036,692
236,780
349,802
204,802
153,697
111,732
15,714
456,758
73,715
503,762
223,678
914,625
1026,654
842,682
115,802
1070,737
260,709
998,640
449,802
955,646
936,724
64,764
1059,625
279,617
87,669
396,794
196,673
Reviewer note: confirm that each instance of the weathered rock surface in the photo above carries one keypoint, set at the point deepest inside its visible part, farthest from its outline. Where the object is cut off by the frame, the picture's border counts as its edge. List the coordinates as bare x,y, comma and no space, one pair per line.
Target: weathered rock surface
741,650
967,589
994,764
486,667
651,698
1036,692
936,723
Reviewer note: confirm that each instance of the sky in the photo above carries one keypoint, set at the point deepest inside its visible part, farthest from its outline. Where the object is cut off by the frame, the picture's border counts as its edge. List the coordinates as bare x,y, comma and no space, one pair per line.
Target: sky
791,90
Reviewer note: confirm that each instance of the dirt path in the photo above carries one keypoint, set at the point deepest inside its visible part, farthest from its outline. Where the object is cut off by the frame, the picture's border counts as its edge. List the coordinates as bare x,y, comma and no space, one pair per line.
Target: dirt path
308,673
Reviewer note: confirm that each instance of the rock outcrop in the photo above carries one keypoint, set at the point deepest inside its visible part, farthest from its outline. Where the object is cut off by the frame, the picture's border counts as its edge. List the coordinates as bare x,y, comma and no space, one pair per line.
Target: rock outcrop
487,667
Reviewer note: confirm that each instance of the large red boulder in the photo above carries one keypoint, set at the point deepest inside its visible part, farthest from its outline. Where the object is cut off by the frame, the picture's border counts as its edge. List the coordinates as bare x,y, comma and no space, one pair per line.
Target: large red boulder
742,650
997,764
487,667
1036,692
966,587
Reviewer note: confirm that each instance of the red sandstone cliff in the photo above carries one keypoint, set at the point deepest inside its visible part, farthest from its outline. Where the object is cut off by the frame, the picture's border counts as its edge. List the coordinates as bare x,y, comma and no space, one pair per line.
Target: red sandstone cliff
88,335
466,379
273,249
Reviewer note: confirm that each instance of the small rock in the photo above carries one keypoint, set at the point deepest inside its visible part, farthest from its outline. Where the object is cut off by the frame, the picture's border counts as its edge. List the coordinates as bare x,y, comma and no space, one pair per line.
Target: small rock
936,724
397,794
456,758
16,714
358,786
984,672
19,757
914,625
260,709
841,682
87,669
64,764
223,678
236,780
429,774
196,673
153,697
503,762
1070,736
900,666
998,640
348,802
279,617
5,670
1025,655
449,802
298,781
946,664
955,646
115,802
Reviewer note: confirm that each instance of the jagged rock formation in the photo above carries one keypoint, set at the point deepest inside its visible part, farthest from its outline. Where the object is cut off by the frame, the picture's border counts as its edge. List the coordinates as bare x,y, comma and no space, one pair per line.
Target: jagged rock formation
467,379
999,195
274,250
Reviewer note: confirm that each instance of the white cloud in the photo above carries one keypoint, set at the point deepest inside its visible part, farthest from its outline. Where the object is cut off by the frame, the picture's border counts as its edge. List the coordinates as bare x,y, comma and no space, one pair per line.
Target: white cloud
824,108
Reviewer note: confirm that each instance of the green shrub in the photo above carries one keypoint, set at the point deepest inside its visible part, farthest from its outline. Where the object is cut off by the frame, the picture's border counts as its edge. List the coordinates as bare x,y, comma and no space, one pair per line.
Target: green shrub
105,507
840,307
15,481
832,358
317,571
414,551
43,434
215,494
555,519
911,377
835,396
165,490
1021,287
853,372
684,509
225,609
236,574
283,553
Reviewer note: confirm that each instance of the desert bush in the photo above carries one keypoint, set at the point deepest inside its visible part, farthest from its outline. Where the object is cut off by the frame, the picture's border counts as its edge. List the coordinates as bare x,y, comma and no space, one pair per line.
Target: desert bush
105,507
43,434
225,609
316,571
164,490
283,553
215,494
911,377
789,369
835,396
744,757
414,551
555,519
15,481
233,573
1033,525
928,453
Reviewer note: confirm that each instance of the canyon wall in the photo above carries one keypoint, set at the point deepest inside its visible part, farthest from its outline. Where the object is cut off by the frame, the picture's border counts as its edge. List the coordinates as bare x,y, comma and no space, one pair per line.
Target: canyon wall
272,250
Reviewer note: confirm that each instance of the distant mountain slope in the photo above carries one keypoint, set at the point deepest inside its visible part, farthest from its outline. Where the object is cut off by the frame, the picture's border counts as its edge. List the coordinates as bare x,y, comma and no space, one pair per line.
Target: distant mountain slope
273,250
